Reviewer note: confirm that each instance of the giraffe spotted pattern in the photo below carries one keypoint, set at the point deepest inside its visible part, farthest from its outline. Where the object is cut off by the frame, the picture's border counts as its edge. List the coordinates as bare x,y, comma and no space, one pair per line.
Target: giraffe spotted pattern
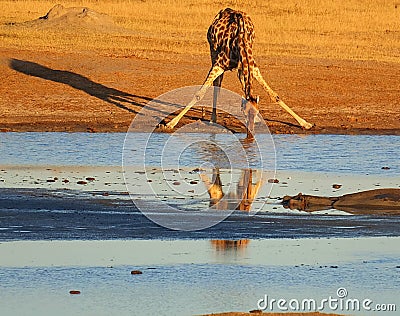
231,37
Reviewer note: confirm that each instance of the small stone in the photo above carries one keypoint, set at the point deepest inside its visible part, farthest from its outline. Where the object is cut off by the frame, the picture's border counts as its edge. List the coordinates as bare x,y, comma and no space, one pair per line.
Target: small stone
90,179
176,183
385,168
81,182
193,182
65,181
74,292
106,194
333,267
273,181
136,272
336,186
51,180
149,180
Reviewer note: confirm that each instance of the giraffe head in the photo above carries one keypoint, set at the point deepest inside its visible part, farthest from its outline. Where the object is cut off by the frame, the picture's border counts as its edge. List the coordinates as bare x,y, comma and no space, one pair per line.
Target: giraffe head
250,110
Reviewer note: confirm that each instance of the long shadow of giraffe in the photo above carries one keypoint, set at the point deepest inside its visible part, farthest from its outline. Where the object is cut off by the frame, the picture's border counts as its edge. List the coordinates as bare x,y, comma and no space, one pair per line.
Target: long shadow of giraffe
118,98
77,81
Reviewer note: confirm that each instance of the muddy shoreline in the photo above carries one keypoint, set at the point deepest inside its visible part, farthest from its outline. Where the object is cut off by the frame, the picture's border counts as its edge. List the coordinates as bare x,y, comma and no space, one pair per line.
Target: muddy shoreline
70,127
383,201
37,214
87,92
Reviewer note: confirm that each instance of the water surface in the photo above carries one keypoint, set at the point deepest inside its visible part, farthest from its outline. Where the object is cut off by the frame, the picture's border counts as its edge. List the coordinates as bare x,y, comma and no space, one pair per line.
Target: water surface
358,154
193,277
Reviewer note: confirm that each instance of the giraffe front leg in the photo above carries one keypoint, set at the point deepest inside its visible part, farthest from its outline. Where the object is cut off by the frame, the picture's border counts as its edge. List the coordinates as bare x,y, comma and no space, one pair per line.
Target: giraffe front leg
274,96
214,73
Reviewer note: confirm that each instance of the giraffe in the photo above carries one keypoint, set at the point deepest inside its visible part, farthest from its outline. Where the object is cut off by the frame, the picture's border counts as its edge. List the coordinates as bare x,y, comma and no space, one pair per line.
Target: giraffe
231,37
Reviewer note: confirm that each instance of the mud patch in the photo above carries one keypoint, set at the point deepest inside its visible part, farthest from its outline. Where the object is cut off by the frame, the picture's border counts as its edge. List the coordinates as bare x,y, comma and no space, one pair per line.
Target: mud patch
379,201
73,18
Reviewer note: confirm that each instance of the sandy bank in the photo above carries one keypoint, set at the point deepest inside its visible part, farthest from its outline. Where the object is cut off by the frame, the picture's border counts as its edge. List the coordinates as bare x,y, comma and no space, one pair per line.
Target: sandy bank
112,178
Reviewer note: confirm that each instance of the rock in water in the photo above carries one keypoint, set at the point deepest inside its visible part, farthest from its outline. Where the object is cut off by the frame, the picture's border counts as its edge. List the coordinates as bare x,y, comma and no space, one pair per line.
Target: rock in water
136,272
74,292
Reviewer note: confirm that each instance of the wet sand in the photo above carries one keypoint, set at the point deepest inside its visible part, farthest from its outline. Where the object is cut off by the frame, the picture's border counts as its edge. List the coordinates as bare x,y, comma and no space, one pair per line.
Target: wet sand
37,203
111,178
36,215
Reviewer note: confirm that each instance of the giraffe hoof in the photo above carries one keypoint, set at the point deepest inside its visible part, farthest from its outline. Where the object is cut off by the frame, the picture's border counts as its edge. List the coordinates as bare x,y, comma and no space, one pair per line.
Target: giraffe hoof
168,126
308,126
162,127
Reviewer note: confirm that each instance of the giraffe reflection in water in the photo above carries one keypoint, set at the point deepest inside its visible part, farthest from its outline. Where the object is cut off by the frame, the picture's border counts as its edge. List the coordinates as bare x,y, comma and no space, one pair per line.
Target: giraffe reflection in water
242,199
229,248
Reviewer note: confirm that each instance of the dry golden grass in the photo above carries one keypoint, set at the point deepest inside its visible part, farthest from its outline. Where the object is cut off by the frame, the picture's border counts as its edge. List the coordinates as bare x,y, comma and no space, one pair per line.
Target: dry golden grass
351,29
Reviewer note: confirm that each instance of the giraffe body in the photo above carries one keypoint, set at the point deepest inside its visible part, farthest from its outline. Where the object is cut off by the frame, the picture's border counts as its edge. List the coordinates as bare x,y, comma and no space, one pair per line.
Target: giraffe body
231,36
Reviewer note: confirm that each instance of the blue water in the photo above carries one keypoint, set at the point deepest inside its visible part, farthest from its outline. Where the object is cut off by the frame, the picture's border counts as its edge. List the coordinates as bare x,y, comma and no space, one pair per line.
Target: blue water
187,289
359,154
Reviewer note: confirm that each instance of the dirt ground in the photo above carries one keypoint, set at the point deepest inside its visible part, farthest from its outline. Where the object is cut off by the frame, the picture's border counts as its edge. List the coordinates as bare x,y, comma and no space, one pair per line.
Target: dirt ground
90,92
